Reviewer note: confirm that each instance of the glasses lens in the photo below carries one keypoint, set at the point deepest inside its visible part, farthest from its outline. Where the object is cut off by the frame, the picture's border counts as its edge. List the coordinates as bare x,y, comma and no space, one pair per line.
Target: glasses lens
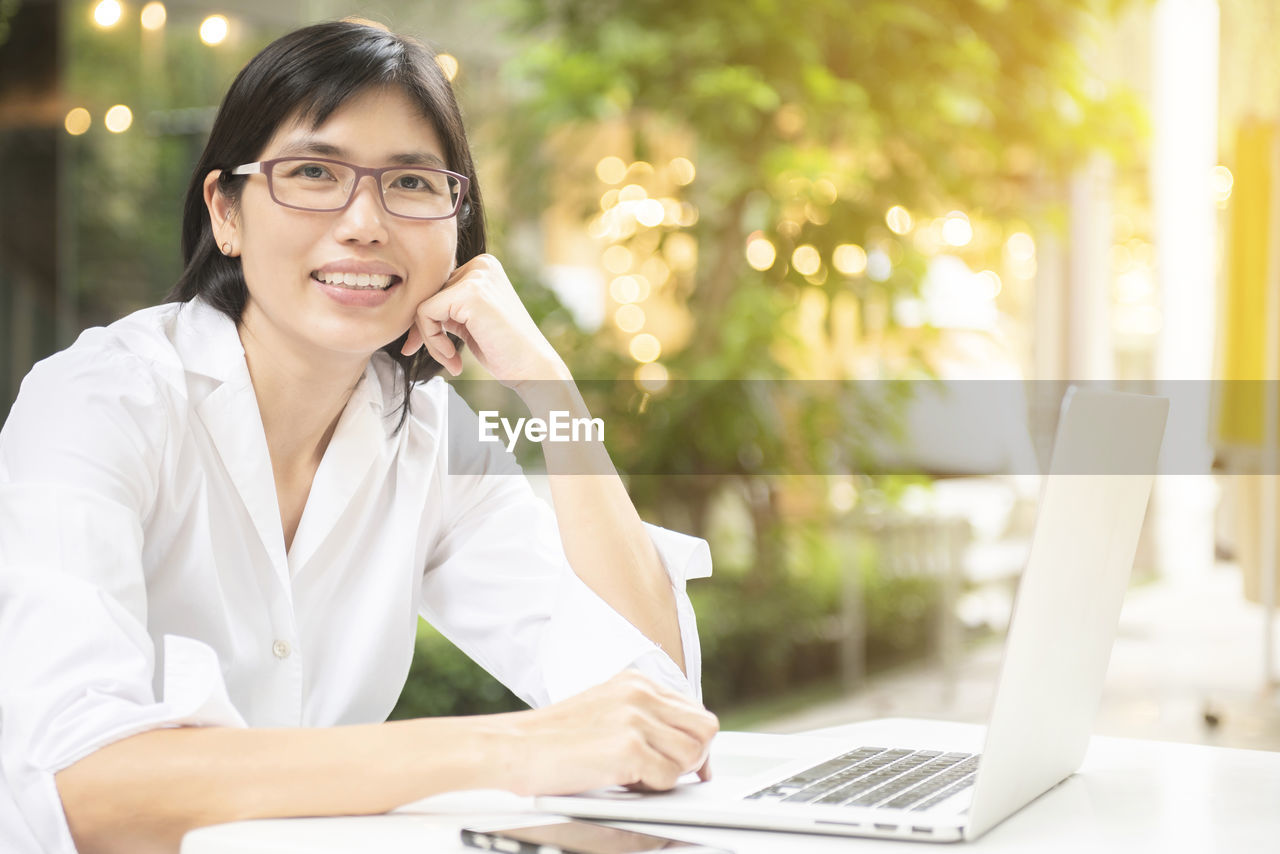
321,186
312,185
420,192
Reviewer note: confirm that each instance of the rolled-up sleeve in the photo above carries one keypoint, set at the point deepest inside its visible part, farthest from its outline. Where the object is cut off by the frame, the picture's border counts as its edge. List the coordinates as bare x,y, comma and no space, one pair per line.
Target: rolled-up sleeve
79,456
499,586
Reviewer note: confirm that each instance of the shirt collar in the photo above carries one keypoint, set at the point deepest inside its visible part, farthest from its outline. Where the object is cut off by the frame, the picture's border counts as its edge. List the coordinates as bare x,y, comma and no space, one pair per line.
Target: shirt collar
209,344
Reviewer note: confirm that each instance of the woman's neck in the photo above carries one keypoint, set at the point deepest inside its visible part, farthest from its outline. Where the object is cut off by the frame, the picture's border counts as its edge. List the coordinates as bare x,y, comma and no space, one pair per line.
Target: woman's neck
300,395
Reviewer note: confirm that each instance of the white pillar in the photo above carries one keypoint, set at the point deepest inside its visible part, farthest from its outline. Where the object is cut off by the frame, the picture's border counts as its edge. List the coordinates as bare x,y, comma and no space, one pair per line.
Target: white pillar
1090,354
1185,150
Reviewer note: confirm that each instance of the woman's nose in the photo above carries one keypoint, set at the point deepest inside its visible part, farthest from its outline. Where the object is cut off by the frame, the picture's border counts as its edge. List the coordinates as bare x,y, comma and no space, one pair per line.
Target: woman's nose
364,218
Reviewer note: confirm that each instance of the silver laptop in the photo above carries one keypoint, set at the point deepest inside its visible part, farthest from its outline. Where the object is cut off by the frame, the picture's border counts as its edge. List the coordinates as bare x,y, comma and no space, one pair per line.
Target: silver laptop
916,779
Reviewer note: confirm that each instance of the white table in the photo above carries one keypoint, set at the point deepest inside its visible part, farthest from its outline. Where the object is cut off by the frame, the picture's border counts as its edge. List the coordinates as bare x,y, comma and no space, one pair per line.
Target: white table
1129,796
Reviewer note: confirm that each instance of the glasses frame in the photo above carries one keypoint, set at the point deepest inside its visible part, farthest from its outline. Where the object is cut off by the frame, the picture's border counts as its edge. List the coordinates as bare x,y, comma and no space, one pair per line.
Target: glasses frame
265,167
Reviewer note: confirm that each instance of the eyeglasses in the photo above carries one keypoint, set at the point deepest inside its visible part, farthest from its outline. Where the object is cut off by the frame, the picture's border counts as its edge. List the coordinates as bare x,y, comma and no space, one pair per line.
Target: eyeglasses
320,184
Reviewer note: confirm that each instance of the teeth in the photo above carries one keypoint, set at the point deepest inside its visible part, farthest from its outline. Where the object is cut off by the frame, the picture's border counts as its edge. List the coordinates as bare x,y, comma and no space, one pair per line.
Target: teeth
368,281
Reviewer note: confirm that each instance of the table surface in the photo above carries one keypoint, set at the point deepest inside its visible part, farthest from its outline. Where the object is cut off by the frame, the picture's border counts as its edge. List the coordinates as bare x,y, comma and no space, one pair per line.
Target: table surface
1129,795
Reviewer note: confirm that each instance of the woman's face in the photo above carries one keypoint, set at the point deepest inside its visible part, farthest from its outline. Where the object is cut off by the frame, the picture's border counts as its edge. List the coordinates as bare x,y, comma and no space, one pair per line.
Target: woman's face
287,255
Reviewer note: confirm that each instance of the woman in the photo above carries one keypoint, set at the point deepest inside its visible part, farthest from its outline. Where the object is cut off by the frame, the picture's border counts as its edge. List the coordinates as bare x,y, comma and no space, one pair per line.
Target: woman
221,517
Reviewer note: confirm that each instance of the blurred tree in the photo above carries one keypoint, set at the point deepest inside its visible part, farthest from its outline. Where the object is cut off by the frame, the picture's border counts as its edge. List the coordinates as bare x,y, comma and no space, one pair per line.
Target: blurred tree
808,125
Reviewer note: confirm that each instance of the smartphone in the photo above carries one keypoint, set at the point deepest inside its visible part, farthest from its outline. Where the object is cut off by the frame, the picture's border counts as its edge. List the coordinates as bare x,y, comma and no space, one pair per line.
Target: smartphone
578,837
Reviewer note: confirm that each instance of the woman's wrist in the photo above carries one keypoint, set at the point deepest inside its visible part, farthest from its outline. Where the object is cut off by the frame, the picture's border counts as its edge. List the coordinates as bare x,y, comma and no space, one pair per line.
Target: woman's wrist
553,390
509,745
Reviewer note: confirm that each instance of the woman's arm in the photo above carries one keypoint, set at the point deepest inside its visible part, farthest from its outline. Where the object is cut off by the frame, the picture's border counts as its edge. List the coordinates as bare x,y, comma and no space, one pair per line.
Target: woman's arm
141,794
603,537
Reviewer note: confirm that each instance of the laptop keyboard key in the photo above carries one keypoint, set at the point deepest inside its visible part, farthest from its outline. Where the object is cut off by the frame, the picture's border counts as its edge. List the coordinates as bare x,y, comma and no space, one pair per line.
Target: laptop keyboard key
796,782
871,776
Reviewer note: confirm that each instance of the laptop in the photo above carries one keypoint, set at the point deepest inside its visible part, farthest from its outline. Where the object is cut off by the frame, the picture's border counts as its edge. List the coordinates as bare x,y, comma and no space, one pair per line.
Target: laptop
929,781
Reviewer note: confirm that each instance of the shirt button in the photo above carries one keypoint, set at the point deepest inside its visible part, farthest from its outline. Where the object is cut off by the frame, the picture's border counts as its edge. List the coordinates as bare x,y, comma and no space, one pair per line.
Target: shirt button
281,649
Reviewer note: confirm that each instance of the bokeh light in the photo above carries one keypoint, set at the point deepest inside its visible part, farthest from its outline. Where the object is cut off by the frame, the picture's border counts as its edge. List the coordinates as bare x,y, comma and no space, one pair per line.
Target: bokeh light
899,219
682,171
652,376
988,284
1020,246
118,119
879,265
611,170
650,213
681,251
655,270
625,289
806,260
1221,181
824,191
213,30
617,259
956,229
629,318
850,259
760,252
645,348
448,64
77,121
153,16
843,495
107,13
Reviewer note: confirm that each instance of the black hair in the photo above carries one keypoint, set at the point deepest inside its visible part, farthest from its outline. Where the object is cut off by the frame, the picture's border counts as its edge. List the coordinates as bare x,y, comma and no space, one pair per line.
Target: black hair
308,74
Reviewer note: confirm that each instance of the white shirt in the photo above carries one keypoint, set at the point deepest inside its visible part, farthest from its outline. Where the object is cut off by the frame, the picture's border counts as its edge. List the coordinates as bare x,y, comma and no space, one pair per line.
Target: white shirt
144,580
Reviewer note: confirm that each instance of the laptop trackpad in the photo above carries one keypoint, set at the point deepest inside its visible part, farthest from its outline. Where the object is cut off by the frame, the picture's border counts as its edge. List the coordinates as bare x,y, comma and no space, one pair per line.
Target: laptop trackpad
747,765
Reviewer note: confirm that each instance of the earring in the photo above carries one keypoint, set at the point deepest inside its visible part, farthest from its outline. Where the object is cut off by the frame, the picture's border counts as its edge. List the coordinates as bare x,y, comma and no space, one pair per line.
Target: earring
226,248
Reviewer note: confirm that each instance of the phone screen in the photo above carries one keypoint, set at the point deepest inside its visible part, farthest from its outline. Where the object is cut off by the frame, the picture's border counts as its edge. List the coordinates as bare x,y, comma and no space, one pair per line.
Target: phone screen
585,838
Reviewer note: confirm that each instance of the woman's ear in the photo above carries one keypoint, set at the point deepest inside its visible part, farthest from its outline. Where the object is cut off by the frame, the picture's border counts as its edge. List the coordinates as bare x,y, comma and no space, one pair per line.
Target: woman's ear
222,215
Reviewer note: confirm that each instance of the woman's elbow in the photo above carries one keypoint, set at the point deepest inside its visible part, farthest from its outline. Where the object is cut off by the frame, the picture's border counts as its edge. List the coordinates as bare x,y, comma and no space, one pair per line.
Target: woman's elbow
106,815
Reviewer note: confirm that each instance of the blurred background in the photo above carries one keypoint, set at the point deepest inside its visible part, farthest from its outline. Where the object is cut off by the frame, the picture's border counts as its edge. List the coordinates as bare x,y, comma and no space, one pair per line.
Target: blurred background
712,203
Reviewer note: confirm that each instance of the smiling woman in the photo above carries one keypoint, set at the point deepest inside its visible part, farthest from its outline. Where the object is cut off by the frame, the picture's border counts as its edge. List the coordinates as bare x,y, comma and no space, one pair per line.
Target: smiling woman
302,226
283,104
221,517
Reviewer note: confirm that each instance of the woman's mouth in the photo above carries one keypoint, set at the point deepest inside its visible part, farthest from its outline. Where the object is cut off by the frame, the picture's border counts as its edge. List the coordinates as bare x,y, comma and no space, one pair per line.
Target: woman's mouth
356,281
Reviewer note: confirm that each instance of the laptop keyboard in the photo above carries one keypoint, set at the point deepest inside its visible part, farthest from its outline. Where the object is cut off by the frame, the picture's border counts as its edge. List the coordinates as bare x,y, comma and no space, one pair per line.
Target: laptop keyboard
878,777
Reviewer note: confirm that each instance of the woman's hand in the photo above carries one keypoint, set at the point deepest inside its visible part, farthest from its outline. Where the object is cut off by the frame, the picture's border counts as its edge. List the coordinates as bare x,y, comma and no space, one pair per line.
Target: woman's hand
629,731
479,305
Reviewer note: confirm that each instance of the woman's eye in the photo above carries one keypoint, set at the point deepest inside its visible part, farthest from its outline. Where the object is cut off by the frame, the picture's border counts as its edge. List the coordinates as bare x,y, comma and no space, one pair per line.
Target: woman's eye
311,170
414,183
